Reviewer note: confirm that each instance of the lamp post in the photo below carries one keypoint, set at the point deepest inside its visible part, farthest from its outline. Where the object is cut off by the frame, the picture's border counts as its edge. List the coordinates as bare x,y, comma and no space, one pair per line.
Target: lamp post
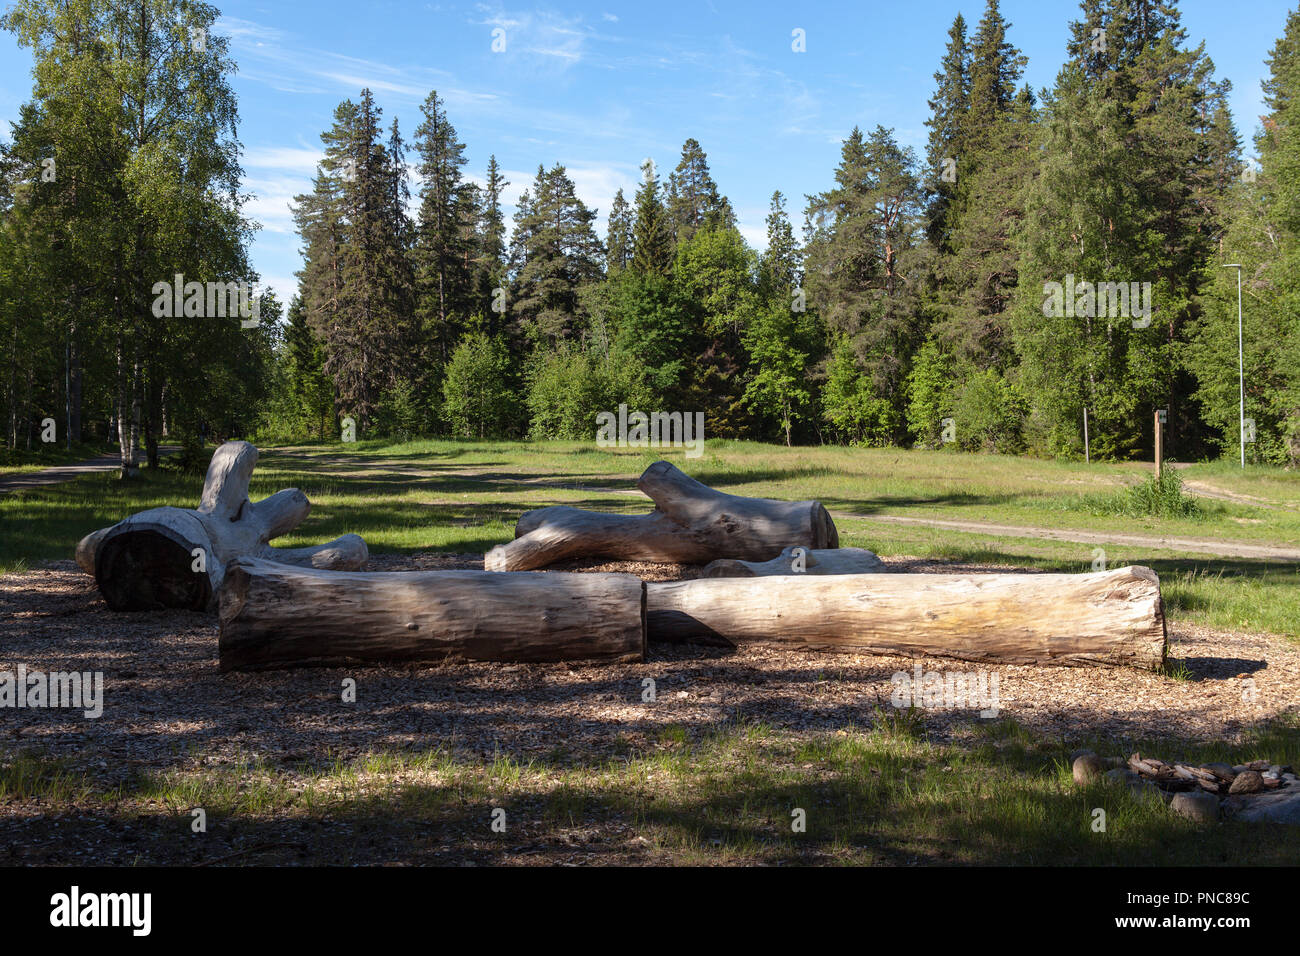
1241,373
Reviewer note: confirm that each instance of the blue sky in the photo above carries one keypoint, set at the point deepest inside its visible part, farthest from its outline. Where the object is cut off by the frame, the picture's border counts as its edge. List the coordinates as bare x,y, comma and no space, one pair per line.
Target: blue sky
601,86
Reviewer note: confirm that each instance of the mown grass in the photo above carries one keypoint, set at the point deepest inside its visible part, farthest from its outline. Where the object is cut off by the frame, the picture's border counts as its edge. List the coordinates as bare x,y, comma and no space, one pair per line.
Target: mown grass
466,496
876,795
15,461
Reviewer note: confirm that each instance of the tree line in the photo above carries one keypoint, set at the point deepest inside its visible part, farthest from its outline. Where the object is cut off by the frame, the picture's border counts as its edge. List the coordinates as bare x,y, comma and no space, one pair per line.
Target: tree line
1053,262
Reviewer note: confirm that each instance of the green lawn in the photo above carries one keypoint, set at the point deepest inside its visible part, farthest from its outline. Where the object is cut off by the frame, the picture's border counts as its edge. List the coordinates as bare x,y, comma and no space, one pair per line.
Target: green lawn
878,794
465,497
22,461
881,796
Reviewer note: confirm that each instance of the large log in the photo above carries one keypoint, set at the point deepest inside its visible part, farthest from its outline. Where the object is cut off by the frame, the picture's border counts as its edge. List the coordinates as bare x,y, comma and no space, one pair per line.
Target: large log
691,524
273,615
798,561
176,557
1109,617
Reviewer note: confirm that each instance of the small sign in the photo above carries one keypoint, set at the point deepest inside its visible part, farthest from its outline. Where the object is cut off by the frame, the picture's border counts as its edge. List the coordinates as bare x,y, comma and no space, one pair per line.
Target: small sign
1163,415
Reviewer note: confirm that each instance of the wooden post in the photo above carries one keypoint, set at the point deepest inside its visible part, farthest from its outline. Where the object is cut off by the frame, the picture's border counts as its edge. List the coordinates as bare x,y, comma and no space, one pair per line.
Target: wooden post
1087,452
1160,442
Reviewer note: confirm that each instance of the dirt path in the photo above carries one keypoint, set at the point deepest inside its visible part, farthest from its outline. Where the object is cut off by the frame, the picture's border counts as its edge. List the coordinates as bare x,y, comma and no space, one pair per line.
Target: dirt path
1221,549
109,461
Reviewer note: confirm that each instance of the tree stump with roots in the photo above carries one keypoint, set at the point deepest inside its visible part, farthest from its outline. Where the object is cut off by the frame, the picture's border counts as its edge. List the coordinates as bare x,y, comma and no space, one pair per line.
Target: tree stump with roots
176,557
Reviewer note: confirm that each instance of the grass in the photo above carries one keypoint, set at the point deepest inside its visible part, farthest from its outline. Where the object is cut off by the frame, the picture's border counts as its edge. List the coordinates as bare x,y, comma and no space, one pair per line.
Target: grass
465,497
1154,497
881,795
41,455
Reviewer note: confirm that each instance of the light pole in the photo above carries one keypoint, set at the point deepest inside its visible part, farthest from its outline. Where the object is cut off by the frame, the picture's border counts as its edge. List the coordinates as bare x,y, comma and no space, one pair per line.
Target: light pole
1241,373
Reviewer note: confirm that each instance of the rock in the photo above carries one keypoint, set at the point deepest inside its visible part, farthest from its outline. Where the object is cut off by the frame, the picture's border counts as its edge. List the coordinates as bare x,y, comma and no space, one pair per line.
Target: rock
1279,806
1146,790
1248,781
1119,775
1087,769
1076,754
1222,771
1279,769
1197,806
1240,768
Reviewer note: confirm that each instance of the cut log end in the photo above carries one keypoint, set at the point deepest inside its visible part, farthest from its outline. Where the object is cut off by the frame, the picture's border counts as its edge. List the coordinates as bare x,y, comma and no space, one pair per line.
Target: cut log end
146,570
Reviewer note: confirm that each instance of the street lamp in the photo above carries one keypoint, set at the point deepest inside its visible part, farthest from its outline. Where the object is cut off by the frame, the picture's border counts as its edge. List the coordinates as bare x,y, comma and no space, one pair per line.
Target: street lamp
1241,374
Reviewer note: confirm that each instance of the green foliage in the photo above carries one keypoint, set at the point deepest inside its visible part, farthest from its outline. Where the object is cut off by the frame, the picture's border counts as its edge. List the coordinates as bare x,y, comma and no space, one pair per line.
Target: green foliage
854,411
479,391
568,388
987,413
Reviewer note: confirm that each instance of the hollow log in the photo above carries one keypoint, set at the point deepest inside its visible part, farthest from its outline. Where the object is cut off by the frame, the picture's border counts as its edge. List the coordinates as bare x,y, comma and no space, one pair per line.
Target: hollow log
1108,617
274,615
176,557
798,561
691,524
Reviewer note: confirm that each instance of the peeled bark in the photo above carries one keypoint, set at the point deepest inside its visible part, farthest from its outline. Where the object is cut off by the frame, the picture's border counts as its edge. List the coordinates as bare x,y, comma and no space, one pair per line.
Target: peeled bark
799,561
1109,617
176,557
691,524
273,615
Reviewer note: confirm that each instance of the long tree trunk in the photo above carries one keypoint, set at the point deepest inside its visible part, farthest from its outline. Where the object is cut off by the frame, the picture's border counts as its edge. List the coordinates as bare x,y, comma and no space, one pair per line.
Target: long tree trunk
691,524
1108,617
273,616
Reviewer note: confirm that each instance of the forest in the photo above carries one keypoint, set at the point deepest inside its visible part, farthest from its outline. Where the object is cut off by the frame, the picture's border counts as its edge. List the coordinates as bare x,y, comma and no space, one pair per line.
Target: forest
918,301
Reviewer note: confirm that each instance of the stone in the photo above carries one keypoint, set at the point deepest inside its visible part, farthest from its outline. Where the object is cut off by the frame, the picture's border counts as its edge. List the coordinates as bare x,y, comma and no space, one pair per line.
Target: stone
1197,806
1277,806
1221,770
1076,754
1119,775
1087,769
1146,790
1248,781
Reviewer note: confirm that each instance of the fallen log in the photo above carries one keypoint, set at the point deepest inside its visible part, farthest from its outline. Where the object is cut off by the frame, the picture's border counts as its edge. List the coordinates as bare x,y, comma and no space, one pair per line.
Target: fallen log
274,615
1109,617
691,524
176,557
798,561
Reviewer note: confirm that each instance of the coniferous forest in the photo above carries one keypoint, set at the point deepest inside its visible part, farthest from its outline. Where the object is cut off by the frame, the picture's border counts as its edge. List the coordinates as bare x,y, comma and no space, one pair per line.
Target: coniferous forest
1055,257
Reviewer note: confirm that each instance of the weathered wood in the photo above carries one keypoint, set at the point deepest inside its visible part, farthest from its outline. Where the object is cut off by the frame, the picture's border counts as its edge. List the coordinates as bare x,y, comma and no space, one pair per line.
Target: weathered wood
1109,617
691,524
274,615
176,557
798,561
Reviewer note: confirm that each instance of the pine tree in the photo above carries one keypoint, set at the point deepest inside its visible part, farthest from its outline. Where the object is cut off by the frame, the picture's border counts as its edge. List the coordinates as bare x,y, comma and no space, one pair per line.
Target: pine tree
554,252
948,118
863,241
618,236
694,201
652,240
780,266
352,284
444,224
